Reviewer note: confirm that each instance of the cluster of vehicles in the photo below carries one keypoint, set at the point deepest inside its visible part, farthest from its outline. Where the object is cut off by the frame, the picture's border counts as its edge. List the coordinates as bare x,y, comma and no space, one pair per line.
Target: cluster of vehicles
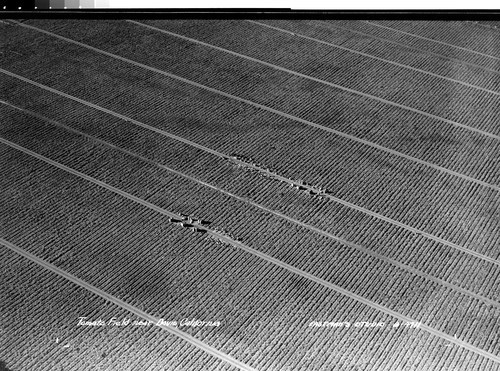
310,189
189,222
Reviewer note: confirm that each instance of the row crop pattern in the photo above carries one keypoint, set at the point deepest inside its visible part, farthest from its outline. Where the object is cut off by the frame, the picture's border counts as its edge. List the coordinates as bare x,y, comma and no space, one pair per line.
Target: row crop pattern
415,42
260,83
261,292
329,216
335,34
461,34
349,270
350,165
427,93
43,332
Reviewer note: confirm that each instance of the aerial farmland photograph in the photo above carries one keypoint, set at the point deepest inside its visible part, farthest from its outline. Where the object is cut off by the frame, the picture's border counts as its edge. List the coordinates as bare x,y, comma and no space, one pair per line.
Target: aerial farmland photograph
249,194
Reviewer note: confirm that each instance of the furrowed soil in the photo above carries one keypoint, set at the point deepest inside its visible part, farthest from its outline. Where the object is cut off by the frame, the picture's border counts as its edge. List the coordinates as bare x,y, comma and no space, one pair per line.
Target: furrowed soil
448,51
41,313
399,233
258,304
329,260
334,33
395,187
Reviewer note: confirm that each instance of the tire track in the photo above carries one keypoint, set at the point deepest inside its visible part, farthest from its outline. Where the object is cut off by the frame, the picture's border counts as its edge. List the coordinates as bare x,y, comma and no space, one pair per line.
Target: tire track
257,253
432,40
206,149
265,209
378,58
173,330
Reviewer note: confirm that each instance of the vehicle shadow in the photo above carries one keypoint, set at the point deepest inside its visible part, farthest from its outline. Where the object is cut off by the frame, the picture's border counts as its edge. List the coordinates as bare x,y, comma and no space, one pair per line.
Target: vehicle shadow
3,366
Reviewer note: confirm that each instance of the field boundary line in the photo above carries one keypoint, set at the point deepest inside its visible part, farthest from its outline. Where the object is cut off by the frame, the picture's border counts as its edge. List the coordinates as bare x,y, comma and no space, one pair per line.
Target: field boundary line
206,149
264,108
432,40
451,59
261,255
324,82
377,58
140,313
305,225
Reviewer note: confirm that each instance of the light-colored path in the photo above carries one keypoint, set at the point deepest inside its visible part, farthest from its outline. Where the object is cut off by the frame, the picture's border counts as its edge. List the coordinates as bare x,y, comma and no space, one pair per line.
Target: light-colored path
268,109
385,101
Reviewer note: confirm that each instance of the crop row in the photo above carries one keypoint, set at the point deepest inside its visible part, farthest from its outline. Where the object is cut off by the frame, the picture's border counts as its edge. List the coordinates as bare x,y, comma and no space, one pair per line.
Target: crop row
165,273
158,198
412,41
272,300
331,217
360,42
220,175
461,34
427,93
342,268
330,157
43,312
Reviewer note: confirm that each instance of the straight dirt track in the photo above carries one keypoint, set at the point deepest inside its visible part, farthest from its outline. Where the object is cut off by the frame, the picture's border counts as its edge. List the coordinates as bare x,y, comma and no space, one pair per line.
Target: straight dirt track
263,256
257,105
353,91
